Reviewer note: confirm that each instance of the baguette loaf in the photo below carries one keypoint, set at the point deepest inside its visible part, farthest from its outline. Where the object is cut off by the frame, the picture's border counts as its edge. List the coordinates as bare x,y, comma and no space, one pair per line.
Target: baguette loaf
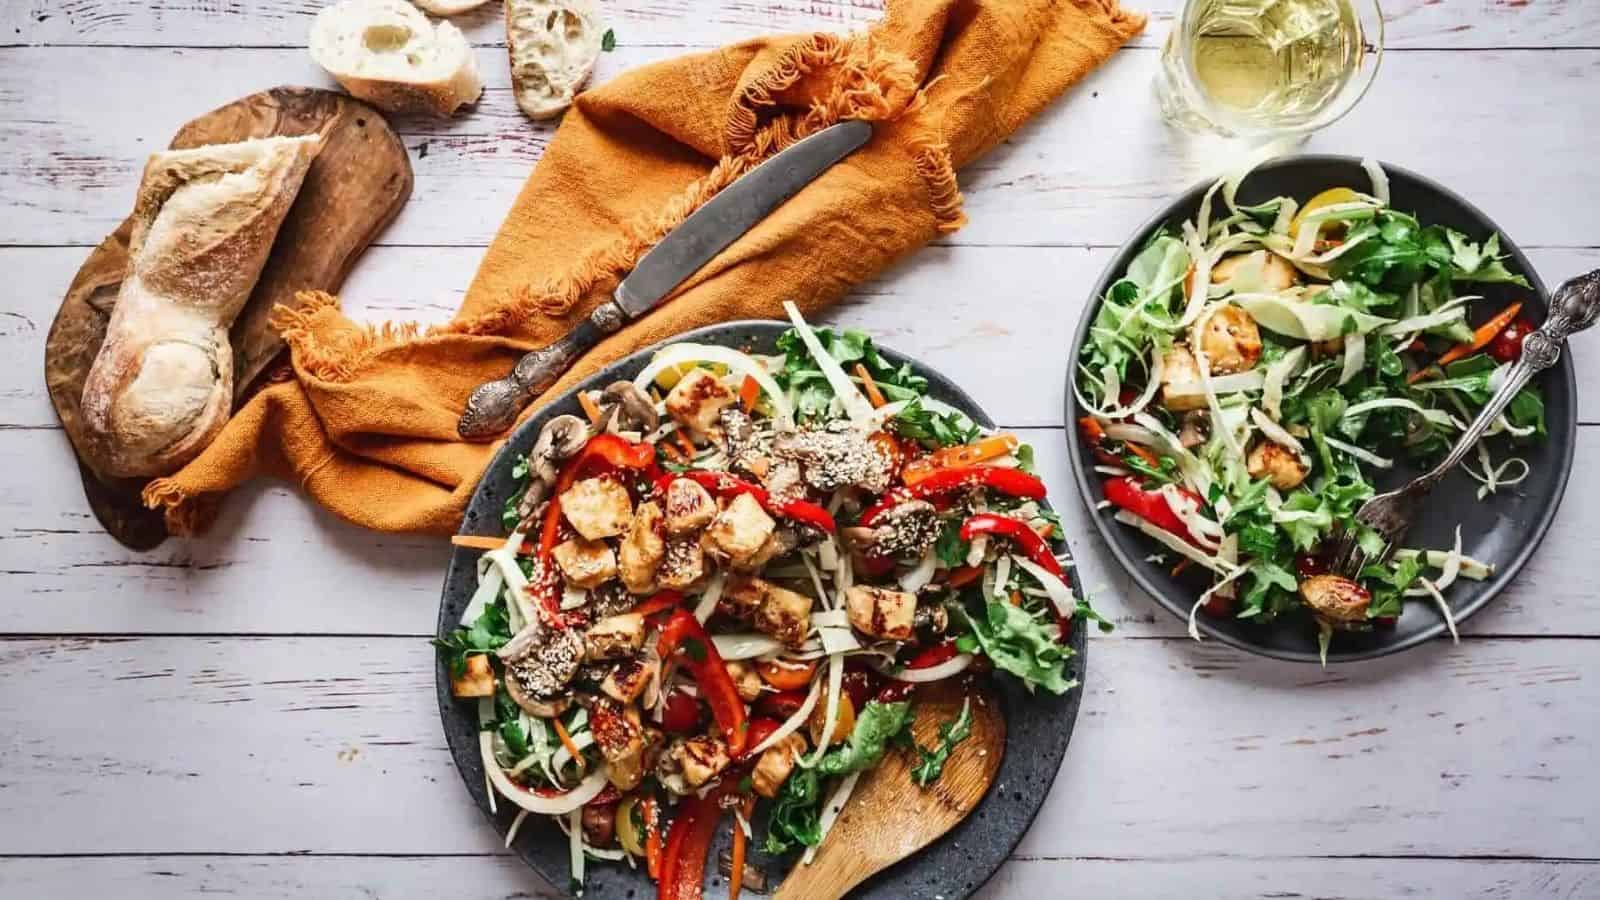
387,53
203,223
554,45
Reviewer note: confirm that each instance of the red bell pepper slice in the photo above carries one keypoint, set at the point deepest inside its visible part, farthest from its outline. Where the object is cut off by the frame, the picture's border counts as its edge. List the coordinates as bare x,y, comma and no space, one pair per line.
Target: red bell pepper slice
1127,492
661,602
1029,542
721,484
601,452
683,864
762,728
700,657
933,656
780,704
1011,482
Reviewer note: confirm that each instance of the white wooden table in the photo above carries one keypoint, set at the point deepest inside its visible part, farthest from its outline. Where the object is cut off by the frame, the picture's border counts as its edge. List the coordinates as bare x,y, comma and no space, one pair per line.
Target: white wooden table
252,713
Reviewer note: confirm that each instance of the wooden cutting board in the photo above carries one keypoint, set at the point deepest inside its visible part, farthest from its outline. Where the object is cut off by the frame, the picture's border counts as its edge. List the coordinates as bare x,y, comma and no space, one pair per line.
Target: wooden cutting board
354,188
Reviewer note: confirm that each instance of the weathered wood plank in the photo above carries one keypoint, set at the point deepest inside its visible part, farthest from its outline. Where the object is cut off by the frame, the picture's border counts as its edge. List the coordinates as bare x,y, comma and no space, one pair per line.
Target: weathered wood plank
332,745
698,23
503,877
1087,172
956,308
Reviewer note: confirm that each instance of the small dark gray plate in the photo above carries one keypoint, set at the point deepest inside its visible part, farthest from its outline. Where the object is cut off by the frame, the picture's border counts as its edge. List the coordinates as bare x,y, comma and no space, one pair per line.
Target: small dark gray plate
1504,529
1037,726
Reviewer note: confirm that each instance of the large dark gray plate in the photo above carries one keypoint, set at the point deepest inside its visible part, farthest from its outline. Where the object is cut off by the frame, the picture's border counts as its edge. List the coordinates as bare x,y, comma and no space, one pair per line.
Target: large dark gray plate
1504,529
1037,726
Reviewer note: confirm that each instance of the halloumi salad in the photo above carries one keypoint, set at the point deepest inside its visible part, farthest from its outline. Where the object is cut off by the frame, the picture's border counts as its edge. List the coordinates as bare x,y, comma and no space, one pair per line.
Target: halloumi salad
1258,367
722,585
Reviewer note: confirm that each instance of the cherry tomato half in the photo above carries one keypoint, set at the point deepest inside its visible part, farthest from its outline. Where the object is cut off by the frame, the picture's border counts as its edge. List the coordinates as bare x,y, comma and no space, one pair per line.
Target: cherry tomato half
1507,345
786,676
681,714
780,705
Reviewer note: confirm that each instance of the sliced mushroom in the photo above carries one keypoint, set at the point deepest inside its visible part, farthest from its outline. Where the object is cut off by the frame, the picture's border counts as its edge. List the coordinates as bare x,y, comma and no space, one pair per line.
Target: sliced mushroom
626,408
559,440
533,706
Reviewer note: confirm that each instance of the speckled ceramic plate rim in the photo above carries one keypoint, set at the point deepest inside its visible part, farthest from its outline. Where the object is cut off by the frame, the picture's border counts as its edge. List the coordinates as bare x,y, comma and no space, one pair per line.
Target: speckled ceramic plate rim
1121,540
1038,727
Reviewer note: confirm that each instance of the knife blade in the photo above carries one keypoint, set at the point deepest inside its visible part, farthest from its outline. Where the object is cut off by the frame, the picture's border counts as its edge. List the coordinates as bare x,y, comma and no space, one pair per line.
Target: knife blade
494,406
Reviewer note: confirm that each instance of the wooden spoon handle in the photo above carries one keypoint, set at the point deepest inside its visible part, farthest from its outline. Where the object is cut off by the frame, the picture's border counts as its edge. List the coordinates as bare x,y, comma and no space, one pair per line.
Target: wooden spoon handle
829,877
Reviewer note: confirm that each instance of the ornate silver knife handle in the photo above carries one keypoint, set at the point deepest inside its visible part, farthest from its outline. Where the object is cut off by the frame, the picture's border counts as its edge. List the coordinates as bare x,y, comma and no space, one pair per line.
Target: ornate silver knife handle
1573,307
494,406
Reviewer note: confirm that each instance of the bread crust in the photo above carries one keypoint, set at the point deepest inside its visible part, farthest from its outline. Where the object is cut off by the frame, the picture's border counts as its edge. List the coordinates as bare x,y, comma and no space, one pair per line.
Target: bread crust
354,38
204,221
548,66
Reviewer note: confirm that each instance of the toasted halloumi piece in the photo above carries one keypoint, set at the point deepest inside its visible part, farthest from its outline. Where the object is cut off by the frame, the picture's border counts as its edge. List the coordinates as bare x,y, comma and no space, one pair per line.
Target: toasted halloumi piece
740,531
597,508
1180,381
1231,341
741,597
478,678
643,549
585,564
684,565
626,681
614,637
784,614
621,740
698,399
1336,600
745,679
775,765
689,507
1277,463
698,759
880,612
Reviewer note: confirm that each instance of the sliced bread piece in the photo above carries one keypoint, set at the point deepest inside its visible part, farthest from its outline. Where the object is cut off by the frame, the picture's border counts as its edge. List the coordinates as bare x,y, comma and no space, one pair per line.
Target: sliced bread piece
449,7
554,44
387,53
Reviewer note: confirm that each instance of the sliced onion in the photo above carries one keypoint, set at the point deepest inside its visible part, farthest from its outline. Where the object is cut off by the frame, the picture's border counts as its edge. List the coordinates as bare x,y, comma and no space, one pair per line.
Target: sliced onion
1194,628
562,756
1133,434
1066,605
575,845
955,665
743,363
1475,569
489,584
855,405
1355,357
708,600
1436,416
831,809
796,721
1366,456
1444,607
1380,179
1275,432
587,789
747,645
921,576
831,717
1155,370
1449,572
1172,542
516,826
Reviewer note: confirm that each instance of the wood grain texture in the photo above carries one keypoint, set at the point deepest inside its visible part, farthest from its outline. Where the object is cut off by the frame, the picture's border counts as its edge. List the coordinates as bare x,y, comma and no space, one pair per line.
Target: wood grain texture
506,878
1087,171
1464,24
887,817
332,745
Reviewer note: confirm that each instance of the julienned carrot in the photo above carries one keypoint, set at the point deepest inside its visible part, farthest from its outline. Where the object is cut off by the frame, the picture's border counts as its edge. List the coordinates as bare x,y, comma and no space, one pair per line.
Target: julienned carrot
477,542
590,408
1182,564
1150,459
749,391
736,873
963,576
1484,334
684,444
992,447
567,742
874,396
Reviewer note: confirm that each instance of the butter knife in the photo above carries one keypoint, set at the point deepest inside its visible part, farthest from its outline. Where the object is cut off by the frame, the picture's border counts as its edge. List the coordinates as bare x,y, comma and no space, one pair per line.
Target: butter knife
494,405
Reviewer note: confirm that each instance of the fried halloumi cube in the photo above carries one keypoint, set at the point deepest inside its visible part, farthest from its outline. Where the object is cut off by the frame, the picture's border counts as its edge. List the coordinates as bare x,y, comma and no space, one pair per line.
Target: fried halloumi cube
597,508
614,637
698,399
643,549
689,507
880,612
741,530
585,564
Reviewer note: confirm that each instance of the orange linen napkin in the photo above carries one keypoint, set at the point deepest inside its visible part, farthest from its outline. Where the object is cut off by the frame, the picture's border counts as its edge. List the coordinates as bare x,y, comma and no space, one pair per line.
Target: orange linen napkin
367,425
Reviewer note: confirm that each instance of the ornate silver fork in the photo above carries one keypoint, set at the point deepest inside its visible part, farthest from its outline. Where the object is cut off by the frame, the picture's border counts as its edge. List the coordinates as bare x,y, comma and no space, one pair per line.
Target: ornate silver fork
1574,307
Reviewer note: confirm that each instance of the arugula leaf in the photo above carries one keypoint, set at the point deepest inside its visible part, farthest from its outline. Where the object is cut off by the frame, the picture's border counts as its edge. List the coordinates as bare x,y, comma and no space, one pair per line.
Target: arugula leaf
795,820
1470,262
876,724
1165,473
934,430
950,548
1323,413
1527,410
487,634
951,733
608,41
800,375
1388,595
1016,642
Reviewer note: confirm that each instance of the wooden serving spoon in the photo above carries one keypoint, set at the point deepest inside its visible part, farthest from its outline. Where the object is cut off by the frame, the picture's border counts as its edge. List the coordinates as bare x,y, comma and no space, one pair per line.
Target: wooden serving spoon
889,817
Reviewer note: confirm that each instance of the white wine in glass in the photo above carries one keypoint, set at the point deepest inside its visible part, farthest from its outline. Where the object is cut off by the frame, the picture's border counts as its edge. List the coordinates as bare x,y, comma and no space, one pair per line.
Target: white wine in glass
1267,68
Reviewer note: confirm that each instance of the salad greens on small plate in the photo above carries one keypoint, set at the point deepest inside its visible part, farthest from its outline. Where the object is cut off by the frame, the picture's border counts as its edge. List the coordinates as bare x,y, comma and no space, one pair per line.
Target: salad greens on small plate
1272,351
